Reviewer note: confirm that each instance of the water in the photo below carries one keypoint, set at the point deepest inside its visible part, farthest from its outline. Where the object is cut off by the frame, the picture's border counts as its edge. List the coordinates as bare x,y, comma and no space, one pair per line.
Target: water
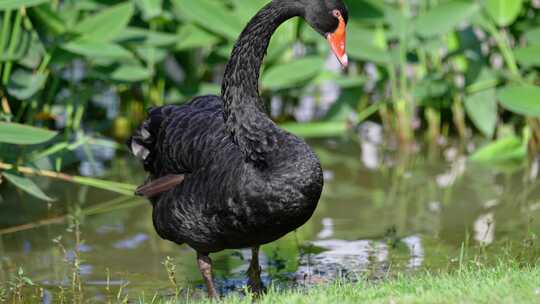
382,213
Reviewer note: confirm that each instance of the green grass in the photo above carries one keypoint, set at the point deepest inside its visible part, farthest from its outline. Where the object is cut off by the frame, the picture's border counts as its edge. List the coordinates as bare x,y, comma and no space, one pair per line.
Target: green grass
505,283
501,284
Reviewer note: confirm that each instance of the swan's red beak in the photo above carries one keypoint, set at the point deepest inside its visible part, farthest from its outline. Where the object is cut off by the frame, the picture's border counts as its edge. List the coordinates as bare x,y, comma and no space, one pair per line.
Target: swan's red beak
338,40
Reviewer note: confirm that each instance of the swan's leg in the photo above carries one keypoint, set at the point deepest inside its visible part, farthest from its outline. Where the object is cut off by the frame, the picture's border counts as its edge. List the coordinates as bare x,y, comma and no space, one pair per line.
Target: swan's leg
205,266
254,272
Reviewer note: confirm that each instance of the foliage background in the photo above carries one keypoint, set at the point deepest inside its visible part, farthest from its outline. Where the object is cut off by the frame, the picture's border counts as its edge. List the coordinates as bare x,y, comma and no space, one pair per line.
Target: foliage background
77,75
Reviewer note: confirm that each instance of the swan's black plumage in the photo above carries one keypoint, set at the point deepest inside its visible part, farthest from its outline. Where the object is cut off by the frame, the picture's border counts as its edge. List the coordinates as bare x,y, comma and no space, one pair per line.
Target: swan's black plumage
246,182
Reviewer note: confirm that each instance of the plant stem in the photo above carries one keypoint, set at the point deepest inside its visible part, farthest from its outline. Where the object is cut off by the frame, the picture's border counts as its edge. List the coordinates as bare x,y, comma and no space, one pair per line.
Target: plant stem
12,46
120,188
504,46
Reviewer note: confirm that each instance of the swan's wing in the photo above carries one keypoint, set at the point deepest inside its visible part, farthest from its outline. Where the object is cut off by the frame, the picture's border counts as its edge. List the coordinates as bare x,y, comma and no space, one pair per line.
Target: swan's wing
177,140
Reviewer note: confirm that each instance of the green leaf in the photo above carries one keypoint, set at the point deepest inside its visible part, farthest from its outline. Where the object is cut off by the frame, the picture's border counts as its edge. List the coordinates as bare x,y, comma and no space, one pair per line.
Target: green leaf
23,84
533,36
290,74
486,79
107,24
444,17
131,73
191,36
482,110
528,56
27,185
368,11
151,55
344,81
521,99
365,44
98,50
510,148
212,15
47,18
430,88
503,12
141,36
18,134
150,8
245,10
16,4
282,40
317,129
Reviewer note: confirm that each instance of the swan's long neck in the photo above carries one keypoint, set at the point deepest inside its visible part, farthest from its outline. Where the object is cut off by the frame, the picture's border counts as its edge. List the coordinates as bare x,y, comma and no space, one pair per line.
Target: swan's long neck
245,117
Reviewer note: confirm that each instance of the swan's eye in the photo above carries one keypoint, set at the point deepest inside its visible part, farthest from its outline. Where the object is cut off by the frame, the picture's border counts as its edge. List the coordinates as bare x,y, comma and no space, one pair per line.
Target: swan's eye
336,13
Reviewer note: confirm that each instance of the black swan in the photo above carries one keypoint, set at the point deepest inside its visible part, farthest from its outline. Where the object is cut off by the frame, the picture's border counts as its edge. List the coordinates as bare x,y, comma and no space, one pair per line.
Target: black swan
222,174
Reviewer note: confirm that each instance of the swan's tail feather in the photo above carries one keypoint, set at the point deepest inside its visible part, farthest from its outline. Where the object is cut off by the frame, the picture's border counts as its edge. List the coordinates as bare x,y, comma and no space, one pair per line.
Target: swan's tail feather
160,185
144,140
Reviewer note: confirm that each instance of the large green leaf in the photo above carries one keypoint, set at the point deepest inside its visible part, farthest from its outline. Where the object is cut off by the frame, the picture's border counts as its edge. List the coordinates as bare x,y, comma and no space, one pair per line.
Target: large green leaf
106,24
444,17
430,88
13,133
281,41
141,36
486,79
98,50
151,55
150,8
504,12
27,185
481,108
364,44
15,4
23,84
533,36
368,11
212,15
288,75
521,99
191,36
130,73
510,148
46,18
528,56
245,10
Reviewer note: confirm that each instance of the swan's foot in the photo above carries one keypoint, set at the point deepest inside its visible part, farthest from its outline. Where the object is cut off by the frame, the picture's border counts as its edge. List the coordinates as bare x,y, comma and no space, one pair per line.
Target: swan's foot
205,266
254,273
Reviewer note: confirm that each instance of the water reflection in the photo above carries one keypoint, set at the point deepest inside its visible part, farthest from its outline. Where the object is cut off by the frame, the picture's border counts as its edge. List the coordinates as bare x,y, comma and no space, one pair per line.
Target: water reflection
339,258
381,213
328,228
484,229
414,243
132,242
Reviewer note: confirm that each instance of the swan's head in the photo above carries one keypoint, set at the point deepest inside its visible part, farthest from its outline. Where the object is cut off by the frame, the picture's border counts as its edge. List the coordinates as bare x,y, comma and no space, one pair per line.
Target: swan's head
329,18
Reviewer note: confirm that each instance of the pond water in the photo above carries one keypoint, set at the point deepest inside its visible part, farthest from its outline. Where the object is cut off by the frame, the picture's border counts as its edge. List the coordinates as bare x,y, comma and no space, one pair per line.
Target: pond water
382,213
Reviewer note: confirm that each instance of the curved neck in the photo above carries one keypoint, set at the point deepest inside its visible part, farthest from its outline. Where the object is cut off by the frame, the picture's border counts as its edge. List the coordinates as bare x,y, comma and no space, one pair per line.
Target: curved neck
241,77
250,127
